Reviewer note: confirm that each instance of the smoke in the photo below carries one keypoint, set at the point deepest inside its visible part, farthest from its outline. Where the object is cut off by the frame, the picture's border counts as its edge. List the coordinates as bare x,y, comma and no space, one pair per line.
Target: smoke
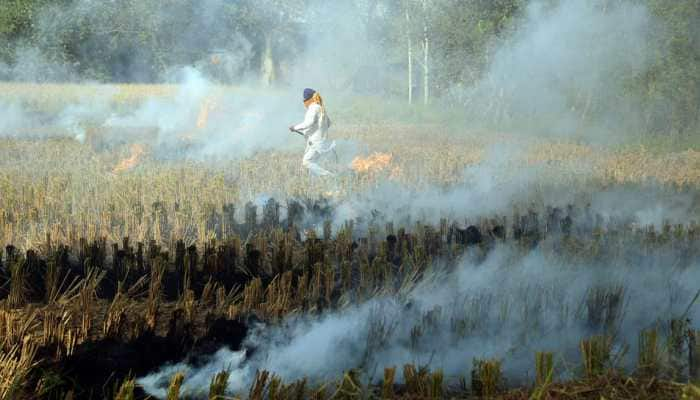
71,120
565,70
340,57
648,207
501,183
507,306
487,188
203,120
200,120
198,379
11,117
31,65
484,197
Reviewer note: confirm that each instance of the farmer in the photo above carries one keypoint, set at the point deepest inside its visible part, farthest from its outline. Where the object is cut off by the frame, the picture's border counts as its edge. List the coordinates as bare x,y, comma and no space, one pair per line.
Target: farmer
315,131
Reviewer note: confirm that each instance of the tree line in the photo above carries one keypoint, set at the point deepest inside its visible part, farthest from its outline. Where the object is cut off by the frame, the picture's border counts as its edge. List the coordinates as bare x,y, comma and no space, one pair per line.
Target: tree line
420,50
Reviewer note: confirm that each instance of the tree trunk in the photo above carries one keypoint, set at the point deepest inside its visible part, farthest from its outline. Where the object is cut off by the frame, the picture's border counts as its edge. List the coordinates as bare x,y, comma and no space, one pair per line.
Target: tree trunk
267,67
410,57
426,50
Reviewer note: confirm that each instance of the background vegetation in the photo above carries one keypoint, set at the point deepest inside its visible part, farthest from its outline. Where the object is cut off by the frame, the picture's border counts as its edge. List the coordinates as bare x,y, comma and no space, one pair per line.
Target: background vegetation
139,41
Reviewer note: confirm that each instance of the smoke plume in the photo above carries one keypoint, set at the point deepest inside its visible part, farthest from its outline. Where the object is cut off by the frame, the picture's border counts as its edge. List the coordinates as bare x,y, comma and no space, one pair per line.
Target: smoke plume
506,306
560,72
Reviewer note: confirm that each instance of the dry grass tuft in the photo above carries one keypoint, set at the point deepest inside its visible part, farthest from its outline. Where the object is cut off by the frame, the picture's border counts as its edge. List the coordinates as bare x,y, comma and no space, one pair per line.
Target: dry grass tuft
174,386
15,365
649,359
596,355
126,390
486,377
217,388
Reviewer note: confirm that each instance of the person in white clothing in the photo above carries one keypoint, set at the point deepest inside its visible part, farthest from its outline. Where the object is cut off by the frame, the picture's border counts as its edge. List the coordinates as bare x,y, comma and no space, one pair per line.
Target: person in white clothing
315,131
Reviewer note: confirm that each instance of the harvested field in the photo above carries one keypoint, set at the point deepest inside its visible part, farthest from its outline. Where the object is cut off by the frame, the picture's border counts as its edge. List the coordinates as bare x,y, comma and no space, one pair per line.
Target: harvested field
470,265
174,283
344,200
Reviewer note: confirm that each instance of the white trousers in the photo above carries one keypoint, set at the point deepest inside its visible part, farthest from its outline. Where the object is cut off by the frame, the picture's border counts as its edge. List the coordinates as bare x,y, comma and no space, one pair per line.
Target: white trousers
314,152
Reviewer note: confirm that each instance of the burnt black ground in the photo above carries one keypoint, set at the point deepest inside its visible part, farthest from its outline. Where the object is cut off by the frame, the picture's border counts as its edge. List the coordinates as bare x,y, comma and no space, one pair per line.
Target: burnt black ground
97,368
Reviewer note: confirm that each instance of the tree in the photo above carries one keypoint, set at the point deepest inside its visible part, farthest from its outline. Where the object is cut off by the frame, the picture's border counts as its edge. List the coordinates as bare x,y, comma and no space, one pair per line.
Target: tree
16,17
671,87
274,27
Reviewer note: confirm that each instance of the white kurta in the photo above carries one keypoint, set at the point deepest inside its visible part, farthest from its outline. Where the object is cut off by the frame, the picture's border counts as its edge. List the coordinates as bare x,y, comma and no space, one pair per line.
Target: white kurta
315,130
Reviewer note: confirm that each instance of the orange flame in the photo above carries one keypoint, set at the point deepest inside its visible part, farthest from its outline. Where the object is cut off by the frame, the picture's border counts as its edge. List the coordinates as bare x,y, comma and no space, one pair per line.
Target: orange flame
126,164
374,163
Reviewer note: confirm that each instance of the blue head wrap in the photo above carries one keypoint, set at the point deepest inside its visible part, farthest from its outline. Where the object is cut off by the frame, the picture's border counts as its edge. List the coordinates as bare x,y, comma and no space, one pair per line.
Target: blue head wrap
308,93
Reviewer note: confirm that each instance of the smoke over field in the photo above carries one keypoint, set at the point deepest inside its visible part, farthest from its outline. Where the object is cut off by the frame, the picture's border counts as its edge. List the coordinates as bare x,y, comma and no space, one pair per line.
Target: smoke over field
513,211
507,305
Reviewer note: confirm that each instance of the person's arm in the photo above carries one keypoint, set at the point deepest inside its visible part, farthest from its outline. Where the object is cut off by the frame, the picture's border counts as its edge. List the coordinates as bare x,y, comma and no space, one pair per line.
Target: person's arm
309,118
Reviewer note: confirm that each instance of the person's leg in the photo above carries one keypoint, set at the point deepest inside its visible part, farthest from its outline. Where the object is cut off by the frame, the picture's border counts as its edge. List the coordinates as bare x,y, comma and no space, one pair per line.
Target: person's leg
310,162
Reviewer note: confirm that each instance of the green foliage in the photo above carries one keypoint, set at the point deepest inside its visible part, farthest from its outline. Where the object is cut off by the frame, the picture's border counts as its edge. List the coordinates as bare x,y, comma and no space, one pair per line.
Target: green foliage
671,88
16,20
464,33
139,40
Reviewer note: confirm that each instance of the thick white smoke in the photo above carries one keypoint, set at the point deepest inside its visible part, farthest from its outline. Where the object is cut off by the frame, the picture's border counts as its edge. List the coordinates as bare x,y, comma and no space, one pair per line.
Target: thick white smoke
560,71
508,306
560,63
502,182
237,120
